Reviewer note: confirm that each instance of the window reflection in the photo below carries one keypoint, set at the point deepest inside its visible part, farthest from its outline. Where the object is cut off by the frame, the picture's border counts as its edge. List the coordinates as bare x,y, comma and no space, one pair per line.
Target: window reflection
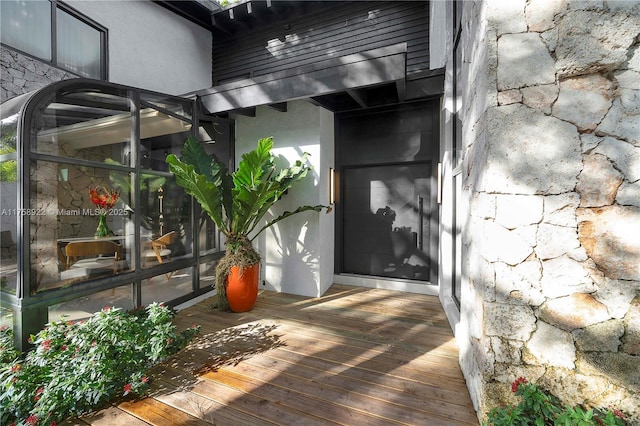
90,126
78,46
63,223
166,217
166,287
26,25
8,204
70,41
84,307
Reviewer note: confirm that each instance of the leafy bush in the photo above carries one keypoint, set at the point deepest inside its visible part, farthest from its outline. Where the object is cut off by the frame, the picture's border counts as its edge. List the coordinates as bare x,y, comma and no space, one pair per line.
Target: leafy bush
76,367
538,408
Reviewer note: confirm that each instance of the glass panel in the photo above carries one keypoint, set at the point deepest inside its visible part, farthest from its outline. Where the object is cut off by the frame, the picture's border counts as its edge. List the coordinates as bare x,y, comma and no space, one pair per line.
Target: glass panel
405,134
78,46
209,238
26,26
166,287
160,135
8,204
457,107
63,221
84,307
216,136
166,216
457,235
164,102
208,275
384,221
88,125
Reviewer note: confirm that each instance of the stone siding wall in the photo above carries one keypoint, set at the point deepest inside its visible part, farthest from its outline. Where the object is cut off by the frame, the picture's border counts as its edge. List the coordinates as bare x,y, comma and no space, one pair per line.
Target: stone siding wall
22,74
552,172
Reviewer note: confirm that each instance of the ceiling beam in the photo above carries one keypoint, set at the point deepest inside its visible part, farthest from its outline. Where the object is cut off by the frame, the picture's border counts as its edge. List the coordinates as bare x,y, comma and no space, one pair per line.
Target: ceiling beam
382,65
401,87
280,106
358,95
247,112
220,23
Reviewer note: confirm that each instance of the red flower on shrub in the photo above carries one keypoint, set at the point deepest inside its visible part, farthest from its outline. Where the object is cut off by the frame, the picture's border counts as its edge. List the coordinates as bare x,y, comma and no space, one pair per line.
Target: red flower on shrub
46,345
618,413
32,419
127,388
38,393
144,379
516,383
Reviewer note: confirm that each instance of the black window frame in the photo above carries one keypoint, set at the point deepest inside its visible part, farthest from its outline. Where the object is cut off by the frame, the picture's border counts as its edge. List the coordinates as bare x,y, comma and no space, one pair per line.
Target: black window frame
55,5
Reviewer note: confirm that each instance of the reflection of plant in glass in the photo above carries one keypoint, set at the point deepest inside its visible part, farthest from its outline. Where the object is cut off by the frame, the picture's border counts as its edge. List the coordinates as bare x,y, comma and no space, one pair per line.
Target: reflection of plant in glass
9,164
147,180
538,408
9,168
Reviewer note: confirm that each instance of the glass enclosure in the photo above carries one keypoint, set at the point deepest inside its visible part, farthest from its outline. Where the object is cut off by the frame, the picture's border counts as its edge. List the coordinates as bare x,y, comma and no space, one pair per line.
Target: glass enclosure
103,222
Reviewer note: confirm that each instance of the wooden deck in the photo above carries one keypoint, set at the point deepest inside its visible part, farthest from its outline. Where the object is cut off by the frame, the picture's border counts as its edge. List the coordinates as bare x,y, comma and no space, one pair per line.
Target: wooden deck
355,356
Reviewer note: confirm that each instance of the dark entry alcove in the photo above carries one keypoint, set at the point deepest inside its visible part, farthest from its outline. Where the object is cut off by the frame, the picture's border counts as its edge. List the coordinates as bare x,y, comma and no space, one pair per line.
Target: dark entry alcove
387,209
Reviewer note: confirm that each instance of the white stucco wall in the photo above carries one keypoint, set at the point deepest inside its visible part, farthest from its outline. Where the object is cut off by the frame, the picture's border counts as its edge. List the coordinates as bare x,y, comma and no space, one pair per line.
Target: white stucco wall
298,252
151,47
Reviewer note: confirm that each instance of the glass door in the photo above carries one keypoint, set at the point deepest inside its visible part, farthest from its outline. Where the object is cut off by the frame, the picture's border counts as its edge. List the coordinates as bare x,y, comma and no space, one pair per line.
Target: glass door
386,221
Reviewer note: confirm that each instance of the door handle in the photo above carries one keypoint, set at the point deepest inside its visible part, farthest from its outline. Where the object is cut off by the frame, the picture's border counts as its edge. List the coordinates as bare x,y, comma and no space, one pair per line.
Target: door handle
420,225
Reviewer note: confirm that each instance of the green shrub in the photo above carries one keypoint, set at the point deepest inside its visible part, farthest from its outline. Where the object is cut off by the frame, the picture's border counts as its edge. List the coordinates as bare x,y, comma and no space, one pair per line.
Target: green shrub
538,408
77,367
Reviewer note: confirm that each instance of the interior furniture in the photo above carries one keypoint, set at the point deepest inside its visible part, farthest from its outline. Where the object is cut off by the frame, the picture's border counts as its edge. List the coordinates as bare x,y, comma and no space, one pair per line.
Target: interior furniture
158,249
94,254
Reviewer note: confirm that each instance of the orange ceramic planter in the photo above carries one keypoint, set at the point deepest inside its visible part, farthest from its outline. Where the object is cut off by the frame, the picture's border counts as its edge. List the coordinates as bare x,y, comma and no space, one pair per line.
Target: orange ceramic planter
242,287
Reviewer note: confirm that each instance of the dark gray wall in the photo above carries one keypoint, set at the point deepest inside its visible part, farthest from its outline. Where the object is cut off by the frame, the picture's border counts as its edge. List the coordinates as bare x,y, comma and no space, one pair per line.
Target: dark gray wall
21,74
336,29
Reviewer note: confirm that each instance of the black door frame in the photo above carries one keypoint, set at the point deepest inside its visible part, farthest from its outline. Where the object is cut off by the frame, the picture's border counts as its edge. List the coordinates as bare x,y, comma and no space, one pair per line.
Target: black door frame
434,210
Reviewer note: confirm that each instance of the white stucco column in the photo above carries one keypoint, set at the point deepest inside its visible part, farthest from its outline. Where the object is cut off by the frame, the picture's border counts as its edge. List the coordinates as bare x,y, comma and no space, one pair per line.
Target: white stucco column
297,253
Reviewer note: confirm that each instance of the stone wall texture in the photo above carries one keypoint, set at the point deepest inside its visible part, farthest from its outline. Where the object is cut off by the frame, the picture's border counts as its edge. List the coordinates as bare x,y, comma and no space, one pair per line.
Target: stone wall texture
552,172
22,74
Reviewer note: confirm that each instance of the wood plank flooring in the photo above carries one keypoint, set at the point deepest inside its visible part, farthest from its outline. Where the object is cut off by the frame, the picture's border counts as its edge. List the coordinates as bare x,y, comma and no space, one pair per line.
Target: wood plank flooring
355,356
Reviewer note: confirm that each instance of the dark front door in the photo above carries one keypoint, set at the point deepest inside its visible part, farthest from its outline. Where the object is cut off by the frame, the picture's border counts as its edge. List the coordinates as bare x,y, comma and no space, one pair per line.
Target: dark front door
388,211
386,220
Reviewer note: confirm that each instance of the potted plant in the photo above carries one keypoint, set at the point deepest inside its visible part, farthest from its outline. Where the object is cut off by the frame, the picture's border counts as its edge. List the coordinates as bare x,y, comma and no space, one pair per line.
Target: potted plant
237,203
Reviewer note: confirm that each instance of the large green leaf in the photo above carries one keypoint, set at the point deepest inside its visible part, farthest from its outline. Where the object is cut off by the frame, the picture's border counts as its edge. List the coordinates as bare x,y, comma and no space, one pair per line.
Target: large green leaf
194,154
254,165
238,202
204,191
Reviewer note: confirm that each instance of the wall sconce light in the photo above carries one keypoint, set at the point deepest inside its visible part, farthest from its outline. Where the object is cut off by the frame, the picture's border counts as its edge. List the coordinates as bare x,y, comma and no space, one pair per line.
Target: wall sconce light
332,185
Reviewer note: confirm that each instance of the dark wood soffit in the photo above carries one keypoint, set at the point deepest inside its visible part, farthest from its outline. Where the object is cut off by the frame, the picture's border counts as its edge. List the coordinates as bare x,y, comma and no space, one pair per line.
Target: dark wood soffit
190,10
248,15
387,64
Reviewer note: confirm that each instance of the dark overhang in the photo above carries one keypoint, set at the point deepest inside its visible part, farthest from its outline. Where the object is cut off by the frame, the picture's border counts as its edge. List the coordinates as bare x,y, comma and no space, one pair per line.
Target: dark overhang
198,12
247,15
363,80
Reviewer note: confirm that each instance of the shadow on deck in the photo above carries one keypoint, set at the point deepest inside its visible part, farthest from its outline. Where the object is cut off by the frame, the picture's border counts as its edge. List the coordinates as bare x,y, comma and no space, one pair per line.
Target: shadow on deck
355,356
